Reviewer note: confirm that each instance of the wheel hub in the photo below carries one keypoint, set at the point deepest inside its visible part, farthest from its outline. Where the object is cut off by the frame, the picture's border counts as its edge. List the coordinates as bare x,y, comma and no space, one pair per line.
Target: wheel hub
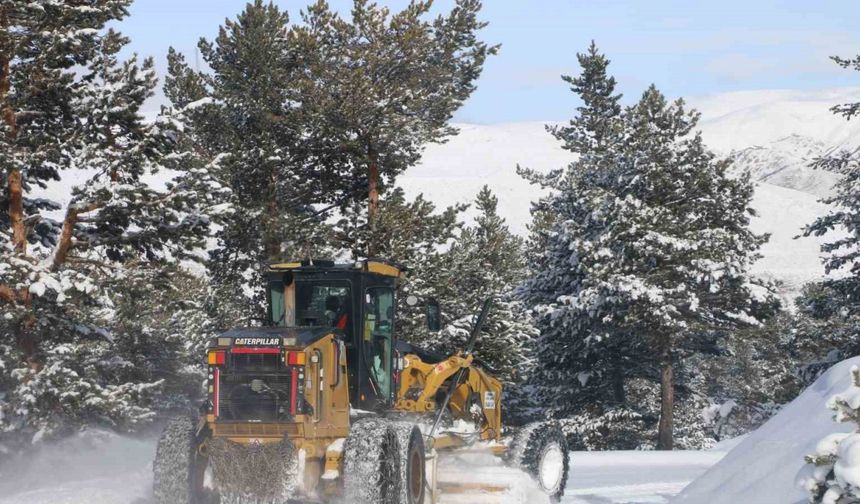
551,468
416,470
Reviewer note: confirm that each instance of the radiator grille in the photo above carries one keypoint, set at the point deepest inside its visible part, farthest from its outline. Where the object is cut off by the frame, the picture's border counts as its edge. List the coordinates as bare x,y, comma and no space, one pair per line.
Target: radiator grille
255,387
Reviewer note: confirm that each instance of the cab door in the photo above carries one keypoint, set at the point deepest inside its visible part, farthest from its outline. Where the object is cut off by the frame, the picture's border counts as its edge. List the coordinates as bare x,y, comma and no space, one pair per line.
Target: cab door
377,346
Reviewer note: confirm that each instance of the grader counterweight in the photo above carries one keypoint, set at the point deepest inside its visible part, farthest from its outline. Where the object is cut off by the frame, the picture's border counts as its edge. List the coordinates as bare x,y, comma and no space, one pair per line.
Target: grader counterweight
327,403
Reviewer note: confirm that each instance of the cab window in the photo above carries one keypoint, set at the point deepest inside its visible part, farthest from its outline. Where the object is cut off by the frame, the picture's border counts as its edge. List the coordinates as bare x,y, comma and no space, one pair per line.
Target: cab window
277,303
377,337
322,304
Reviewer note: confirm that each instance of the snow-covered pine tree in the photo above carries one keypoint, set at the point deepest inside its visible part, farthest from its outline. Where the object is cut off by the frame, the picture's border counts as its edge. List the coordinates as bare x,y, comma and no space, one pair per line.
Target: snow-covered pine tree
487,260
747,382
843,253
575,372
406,231
684,242
386,84
40,43
247,121
161,323
68,103
825,327
652,249
686,246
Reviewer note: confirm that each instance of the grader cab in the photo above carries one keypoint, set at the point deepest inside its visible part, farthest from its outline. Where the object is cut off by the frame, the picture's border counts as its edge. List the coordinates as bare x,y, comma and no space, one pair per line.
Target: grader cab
327,403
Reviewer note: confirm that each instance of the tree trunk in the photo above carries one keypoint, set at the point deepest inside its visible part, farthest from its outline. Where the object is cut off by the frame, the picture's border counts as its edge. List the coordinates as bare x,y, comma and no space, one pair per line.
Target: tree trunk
667,403
6,53
618,385
16,211
65,244
373,199
271,238
273,242
273,249
8,294
25,339
14,180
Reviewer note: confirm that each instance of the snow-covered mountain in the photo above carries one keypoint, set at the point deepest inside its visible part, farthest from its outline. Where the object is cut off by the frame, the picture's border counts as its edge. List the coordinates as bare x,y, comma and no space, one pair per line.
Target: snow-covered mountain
773,134
786,163
735,121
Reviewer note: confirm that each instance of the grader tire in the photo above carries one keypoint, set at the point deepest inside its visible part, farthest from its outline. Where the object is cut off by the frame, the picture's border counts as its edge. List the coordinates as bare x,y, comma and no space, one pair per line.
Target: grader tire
540,449
178,469
412,459
371,463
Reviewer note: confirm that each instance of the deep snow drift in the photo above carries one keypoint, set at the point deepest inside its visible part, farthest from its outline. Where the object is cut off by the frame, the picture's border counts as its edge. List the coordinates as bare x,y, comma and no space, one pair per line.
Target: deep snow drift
762,469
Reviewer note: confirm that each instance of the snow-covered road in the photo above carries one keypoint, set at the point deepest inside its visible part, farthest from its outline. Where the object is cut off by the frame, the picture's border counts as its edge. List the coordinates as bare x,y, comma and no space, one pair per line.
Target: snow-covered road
117,471
634,477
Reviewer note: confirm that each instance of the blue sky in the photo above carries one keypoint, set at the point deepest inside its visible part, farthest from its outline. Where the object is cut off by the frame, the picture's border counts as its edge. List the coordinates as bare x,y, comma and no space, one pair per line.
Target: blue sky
687,47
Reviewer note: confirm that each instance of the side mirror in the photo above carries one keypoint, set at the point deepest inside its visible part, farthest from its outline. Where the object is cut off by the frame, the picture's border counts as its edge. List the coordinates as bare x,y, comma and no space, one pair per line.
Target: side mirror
434,315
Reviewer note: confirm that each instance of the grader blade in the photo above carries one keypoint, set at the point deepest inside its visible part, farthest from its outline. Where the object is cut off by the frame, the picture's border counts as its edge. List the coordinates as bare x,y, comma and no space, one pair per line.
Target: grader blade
478,475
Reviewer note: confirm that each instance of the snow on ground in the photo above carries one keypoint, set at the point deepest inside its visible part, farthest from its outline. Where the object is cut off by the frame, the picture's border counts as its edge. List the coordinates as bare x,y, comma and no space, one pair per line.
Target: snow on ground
763,467
787,163
455,171
634,476
93,469
117,470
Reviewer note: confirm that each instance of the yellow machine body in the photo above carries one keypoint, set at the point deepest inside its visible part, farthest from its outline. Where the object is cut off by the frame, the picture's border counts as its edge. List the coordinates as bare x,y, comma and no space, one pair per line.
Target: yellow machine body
326,393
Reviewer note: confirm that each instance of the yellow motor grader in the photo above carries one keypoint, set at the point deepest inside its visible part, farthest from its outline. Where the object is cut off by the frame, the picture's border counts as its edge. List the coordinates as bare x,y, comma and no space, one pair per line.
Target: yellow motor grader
327,404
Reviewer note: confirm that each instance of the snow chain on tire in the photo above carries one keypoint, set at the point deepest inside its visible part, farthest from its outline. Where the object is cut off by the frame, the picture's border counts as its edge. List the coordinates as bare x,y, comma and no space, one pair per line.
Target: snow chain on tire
371,463
412,459
538,444
256,473
177,472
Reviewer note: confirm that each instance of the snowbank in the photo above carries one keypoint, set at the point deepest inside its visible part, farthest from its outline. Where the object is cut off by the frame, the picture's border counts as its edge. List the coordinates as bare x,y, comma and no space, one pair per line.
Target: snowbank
762,468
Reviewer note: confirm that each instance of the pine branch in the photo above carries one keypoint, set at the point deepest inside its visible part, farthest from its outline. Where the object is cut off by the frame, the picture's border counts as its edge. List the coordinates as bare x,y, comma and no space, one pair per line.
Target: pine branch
73,212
